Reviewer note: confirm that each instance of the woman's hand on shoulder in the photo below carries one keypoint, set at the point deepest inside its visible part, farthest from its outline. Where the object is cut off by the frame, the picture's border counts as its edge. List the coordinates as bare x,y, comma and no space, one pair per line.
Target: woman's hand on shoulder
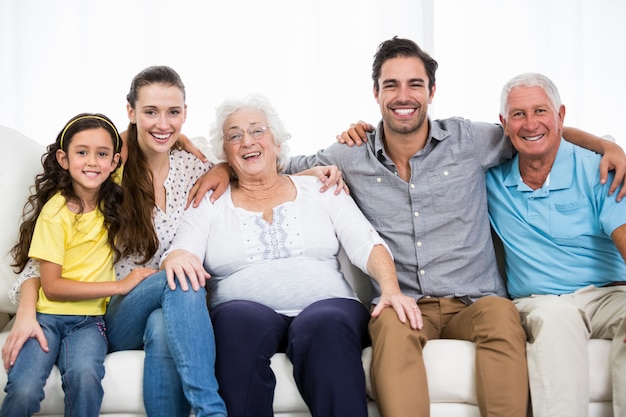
187,268
216,179
329,175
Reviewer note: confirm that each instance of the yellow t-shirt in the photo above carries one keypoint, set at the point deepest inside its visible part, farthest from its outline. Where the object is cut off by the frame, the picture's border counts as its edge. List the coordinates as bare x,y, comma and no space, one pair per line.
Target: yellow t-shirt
79,244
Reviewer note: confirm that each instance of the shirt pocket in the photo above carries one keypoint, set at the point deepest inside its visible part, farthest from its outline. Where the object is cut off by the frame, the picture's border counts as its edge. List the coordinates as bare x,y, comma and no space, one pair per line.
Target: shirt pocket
448,187
572,219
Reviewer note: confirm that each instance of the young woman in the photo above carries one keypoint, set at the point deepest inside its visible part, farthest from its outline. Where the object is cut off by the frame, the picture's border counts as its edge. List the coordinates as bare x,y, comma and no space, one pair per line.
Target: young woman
69,227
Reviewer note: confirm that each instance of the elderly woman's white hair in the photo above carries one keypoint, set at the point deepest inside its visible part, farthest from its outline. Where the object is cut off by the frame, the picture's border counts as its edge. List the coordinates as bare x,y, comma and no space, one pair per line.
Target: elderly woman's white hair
274,123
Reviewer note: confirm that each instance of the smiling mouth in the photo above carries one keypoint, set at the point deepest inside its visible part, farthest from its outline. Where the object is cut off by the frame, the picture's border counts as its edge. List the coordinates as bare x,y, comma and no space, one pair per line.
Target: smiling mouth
532,138
251,155
404,112
162,137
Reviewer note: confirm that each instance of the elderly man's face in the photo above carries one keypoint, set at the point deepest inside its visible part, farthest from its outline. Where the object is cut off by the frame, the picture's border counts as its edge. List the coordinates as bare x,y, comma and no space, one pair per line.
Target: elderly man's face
532,122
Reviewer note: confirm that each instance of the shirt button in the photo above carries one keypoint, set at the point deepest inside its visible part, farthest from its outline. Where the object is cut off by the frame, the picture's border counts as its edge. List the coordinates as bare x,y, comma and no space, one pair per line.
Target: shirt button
422,272
419,244
416,213
445,173
379,179
412,185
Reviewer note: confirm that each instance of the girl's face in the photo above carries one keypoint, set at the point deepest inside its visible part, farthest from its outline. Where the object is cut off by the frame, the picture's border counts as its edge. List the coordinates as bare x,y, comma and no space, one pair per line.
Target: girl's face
90,159
159,113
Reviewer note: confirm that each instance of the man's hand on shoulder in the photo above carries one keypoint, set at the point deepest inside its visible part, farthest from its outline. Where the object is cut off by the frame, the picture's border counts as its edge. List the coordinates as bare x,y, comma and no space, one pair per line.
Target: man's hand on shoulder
356,134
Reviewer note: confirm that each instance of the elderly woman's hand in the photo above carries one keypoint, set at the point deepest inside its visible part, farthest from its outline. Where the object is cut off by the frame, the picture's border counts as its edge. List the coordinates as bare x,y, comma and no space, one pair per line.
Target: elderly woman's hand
182,265
329,175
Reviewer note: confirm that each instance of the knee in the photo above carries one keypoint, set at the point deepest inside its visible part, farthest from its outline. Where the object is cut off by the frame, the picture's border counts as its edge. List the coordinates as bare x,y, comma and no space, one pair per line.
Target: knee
498,318
332,315
84,373
155,335
556,318
387,329
498,309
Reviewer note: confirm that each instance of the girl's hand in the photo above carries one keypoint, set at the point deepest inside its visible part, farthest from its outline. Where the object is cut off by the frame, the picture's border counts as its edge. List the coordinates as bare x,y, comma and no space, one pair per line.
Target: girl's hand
131,280
24,328
182,265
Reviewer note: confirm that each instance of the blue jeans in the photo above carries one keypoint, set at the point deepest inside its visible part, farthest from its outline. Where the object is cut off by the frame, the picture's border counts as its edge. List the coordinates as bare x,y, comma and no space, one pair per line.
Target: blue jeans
78,346
175,330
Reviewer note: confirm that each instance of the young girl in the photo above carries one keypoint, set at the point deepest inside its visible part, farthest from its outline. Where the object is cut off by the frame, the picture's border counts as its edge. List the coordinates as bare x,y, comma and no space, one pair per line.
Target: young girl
70,224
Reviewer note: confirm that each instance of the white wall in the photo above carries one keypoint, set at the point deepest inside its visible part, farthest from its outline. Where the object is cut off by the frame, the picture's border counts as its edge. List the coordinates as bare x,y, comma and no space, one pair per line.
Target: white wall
311,57
579,44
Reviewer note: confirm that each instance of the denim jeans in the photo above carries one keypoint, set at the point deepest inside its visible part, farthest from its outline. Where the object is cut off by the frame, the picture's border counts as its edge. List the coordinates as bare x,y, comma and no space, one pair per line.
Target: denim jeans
78,346
175,330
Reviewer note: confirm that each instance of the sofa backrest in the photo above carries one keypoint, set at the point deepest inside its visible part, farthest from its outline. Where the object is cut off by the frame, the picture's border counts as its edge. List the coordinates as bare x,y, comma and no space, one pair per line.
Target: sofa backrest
20,161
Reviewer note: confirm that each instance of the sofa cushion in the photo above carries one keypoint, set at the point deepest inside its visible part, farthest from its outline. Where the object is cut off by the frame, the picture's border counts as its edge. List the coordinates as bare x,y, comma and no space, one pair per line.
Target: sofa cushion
19,163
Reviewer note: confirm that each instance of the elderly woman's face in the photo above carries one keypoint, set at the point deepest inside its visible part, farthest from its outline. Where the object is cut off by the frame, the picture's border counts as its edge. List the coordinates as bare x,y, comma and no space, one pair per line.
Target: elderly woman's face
249,144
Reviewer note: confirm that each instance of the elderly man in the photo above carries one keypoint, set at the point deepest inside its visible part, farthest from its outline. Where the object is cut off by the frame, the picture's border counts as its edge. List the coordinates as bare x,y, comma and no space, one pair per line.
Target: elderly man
565,245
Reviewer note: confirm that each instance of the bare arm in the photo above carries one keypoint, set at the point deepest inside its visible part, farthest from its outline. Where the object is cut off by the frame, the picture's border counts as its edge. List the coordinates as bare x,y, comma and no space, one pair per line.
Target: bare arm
613,157
58,288
381,267
26,325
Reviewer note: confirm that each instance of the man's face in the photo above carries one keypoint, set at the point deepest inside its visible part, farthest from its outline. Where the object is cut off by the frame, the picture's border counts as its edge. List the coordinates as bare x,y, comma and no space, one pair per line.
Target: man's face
532,122
403,94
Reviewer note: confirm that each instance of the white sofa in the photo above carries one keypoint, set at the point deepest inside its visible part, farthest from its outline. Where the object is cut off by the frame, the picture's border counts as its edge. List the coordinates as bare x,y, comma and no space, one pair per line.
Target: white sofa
450,363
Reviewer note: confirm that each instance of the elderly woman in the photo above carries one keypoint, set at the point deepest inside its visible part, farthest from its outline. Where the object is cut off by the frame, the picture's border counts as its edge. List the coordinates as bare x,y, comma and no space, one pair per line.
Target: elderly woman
270,244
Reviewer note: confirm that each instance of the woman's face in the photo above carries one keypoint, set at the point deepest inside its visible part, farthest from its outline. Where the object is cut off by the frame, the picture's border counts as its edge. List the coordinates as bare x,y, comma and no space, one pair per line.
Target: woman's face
159,113
249,144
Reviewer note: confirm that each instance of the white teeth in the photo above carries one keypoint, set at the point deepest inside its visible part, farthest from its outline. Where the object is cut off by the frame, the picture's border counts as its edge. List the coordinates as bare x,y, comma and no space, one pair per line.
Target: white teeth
251,154
404,112
164,136
532,138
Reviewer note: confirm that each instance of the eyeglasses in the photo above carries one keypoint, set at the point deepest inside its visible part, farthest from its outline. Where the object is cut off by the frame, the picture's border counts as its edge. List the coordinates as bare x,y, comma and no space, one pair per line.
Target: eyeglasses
235,134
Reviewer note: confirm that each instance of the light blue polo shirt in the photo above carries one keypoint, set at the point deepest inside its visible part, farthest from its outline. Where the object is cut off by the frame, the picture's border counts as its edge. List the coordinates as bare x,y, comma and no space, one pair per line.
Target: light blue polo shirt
557,238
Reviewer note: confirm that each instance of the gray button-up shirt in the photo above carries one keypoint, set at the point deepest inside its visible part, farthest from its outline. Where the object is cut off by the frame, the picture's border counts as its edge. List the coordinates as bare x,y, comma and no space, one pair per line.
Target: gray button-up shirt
436,225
